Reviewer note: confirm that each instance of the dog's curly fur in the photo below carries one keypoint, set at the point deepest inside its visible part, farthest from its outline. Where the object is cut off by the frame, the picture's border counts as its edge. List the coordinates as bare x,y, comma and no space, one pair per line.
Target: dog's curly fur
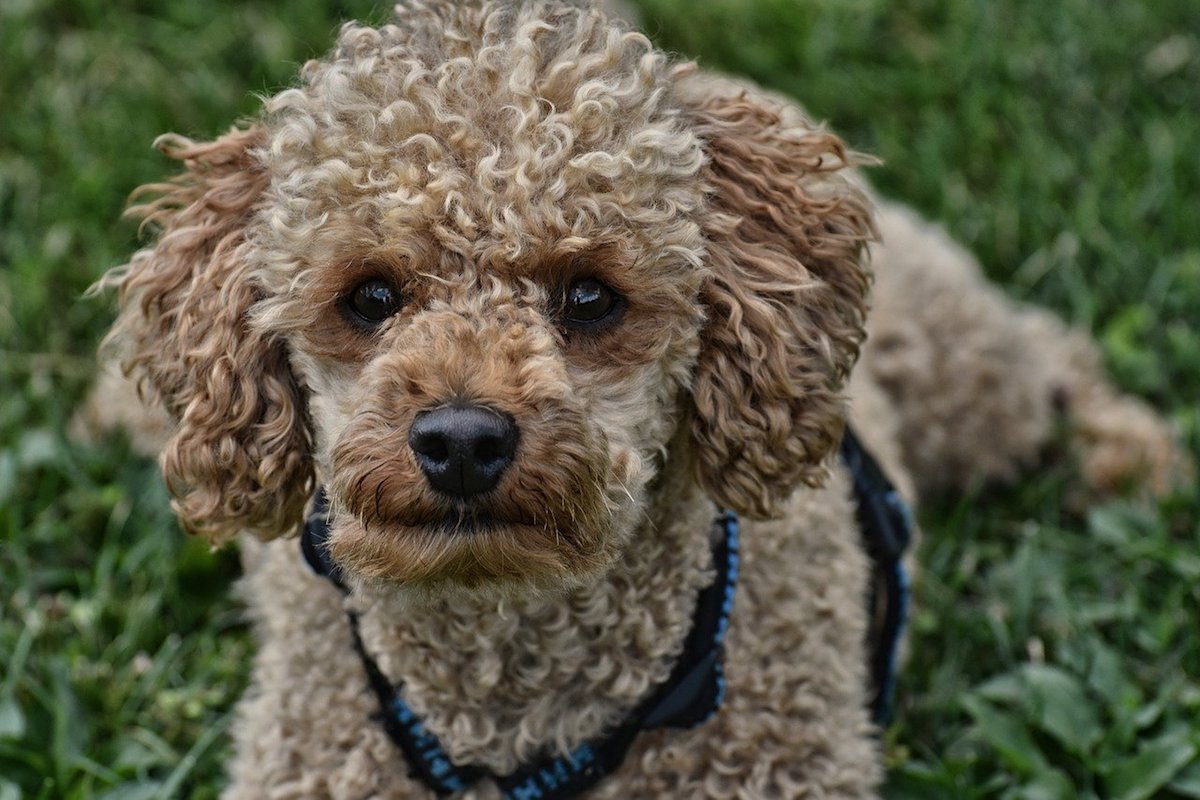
479,157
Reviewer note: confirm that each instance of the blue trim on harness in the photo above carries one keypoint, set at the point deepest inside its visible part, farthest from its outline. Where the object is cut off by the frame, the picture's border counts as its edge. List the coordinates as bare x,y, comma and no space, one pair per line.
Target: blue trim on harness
884,706
886,525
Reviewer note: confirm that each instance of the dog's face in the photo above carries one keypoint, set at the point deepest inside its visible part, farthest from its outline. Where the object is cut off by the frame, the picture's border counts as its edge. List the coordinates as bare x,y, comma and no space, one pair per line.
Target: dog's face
496,310
482,274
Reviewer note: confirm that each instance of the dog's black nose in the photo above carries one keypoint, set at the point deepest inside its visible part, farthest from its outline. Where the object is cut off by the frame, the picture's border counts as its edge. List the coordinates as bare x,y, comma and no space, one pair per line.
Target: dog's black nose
463,450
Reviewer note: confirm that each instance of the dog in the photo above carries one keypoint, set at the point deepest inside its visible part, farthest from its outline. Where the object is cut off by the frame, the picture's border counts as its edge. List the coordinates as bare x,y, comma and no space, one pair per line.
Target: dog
512,307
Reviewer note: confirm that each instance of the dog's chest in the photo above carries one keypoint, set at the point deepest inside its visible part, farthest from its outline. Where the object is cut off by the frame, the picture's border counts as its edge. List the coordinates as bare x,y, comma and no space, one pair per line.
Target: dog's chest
521,681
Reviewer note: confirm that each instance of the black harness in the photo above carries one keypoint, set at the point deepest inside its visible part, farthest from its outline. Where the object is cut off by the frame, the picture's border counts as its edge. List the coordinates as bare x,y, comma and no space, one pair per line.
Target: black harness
886,523
696,687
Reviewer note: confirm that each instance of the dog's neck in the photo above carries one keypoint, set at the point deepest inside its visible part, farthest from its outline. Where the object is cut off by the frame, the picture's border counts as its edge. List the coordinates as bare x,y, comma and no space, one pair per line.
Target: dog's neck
501,681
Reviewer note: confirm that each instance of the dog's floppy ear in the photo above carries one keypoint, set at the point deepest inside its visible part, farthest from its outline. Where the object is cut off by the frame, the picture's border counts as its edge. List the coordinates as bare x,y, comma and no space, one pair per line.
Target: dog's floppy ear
239,456
785,298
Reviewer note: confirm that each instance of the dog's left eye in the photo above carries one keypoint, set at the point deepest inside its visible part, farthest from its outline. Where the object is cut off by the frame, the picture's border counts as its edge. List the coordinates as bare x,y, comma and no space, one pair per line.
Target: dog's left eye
374,301
589,301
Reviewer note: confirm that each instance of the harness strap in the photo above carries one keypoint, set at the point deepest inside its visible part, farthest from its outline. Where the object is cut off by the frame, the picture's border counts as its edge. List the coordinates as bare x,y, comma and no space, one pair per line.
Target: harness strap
886,523
692,693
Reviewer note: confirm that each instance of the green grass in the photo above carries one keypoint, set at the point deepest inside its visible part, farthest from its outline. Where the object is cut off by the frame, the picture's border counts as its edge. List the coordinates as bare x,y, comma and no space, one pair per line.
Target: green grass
1055,651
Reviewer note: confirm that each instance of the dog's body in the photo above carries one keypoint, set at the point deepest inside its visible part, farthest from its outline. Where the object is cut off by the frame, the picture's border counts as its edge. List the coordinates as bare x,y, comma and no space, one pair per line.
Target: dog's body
536,613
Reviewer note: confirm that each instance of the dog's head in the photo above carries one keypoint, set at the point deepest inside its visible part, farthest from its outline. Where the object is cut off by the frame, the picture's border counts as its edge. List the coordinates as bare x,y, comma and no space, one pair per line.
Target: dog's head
485,273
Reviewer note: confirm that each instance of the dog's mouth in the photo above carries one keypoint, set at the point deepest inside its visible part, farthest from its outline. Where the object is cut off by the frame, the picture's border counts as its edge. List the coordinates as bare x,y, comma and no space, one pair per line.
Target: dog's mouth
465,549
469,522
461,521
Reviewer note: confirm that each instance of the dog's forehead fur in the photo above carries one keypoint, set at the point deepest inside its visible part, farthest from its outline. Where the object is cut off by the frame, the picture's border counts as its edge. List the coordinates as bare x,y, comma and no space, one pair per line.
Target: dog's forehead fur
503,134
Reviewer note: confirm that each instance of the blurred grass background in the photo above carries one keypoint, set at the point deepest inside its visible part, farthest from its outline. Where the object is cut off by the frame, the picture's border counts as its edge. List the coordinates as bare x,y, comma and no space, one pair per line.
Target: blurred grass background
1054,648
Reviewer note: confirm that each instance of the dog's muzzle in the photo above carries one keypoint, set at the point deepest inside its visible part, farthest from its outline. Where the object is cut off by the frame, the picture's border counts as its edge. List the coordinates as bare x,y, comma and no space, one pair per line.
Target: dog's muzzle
463,449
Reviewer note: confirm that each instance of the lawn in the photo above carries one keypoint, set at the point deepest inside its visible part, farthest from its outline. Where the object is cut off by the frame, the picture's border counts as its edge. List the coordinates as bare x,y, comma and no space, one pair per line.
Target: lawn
1054,650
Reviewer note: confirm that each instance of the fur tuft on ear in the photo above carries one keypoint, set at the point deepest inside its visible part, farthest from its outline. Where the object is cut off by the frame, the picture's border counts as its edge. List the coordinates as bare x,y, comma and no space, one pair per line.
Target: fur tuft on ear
239,456
786,300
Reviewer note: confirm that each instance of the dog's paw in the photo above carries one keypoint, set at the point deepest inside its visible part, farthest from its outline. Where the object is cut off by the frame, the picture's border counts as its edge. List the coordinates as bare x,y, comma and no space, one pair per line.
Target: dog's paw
1125,447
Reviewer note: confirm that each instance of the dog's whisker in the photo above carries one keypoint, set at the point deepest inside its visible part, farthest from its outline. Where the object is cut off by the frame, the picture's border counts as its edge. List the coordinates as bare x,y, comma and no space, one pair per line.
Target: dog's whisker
379,486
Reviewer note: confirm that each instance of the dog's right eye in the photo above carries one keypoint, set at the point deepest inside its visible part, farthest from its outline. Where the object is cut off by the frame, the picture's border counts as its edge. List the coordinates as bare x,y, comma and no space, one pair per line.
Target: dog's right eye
589,302
373,301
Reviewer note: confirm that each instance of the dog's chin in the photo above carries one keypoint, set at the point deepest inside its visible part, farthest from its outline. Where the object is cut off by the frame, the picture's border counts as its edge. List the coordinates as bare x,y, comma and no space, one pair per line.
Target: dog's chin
467,556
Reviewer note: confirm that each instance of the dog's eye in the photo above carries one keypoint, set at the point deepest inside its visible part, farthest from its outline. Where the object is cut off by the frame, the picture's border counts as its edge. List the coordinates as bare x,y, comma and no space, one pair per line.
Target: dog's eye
588,300
374,301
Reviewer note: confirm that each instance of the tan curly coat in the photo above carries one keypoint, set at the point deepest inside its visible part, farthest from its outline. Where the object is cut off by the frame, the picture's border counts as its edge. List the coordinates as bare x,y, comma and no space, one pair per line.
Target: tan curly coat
478,157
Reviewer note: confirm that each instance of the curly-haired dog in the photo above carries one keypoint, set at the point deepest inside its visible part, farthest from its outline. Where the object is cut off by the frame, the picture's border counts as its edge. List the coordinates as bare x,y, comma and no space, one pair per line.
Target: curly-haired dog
531,302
